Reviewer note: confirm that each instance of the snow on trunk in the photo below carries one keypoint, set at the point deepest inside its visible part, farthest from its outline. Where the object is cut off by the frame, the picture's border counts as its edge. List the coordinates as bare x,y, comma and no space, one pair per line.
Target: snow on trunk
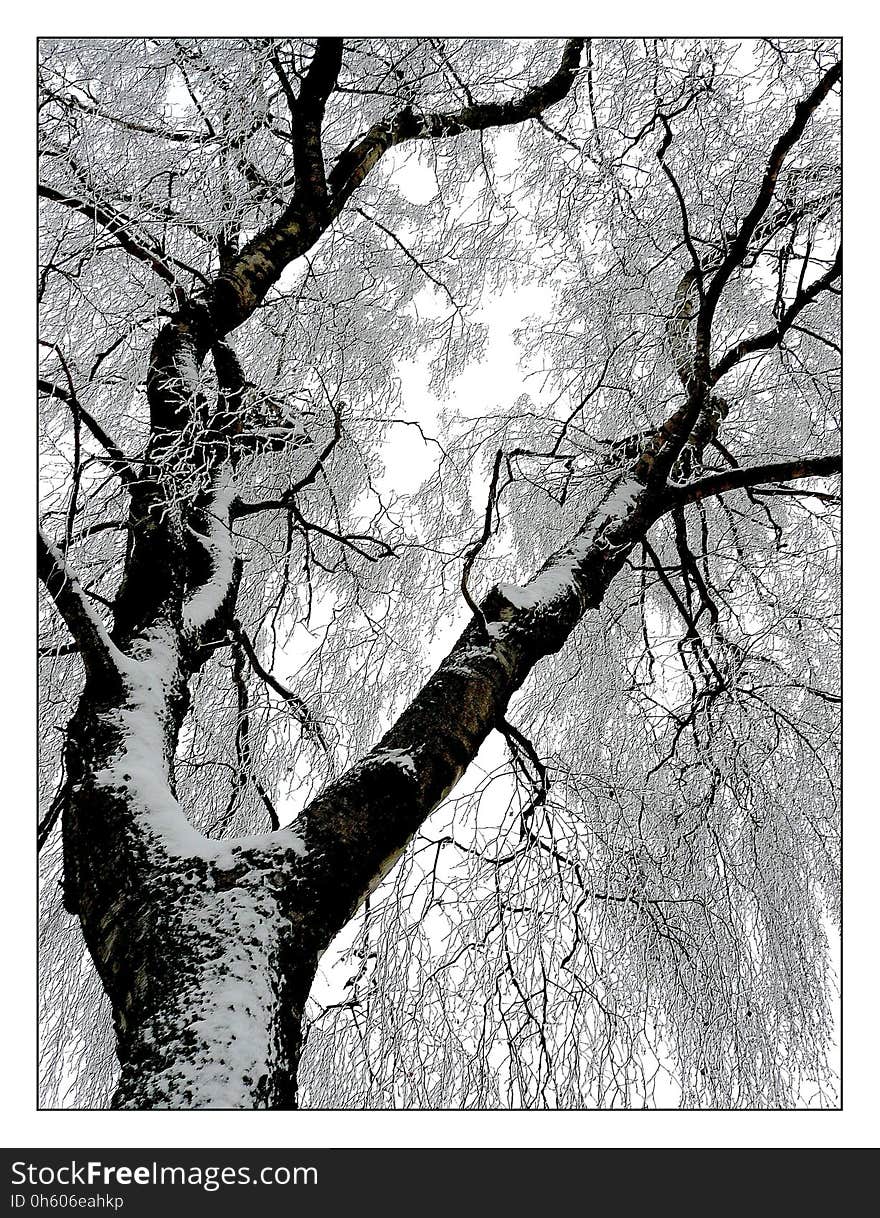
211,1021
556,577
140,768
206,601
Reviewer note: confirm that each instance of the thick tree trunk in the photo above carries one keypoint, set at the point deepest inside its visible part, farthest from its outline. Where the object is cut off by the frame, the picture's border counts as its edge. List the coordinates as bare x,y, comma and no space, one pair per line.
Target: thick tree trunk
211,1014
193,938
207,949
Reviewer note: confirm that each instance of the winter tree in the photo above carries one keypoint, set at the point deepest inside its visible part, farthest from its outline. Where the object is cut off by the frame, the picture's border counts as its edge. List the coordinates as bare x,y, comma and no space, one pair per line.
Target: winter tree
402,748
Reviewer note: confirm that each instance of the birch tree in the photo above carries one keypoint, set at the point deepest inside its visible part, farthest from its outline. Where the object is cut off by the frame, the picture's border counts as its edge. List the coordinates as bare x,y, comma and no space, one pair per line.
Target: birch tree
535,759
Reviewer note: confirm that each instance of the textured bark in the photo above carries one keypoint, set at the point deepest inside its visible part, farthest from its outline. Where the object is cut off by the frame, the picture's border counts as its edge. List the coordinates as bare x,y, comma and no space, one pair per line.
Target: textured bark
211,1013
193,939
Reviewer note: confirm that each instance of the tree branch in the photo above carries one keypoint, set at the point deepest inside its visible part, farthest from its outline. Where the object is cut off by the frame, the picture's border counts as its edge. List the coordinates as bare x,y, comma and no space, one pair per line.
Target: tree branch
99,652
117,459
739,247
308,115
754,475
358,827
659,456
118,225
772,338
697,266
305,717
353,165
245,281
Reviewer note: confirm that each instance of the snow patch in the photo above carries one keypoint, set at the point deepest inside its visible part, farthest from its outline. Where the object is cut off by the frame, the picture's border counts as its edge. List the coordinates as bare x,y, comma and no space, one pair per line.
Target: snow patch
558,578
205,602
546,587
226,1003
619,503
140,767
396,757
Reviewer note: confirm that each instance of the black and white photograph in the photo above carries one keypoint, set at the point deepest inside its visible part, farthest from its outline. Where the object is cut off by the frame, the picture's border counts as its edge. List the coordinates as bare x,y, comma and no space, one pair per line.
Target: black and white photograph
439,491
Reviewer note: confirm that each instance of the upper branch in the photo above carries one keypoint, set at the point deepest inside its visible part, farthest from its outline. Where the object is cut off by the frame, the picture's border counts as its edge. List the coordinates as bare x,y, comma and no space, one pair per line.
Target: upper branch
243,284
697,267
754,475
353,166
659,456
740,244
308,115
771,338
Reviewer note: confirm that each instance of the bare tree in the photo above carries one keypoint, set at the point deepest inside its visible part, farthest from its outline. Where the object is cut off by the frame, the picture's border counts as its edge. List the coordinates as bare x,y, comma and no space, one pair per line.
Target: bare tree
614,801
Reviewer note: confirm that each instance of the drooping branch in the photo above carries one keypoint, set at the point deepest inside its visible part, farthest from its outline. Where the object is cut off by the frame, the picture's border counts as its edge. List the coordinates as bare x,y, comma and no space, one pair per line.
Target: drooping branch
70,100
245,771
288,498
218,569
305,717
410,255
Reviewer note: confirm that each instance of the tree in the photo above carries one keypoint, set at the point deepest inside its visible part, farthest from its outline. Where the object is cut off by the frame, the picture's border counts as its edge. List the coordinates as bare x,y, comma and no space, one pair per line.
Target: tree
591,859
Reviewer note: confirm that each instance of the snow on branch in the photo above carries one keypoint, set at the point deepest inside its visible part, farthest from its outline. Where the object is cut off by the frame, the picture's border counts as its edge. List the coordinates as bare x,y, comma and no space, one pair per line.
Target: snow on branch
139,768
205,603
356,162
558,575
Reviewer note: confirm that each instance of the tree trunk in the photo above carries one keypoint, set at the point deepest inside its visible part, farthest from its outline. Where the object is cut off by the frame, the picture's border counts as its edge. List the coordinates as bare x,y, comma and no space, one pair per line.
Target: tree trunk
193,938
210,1015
